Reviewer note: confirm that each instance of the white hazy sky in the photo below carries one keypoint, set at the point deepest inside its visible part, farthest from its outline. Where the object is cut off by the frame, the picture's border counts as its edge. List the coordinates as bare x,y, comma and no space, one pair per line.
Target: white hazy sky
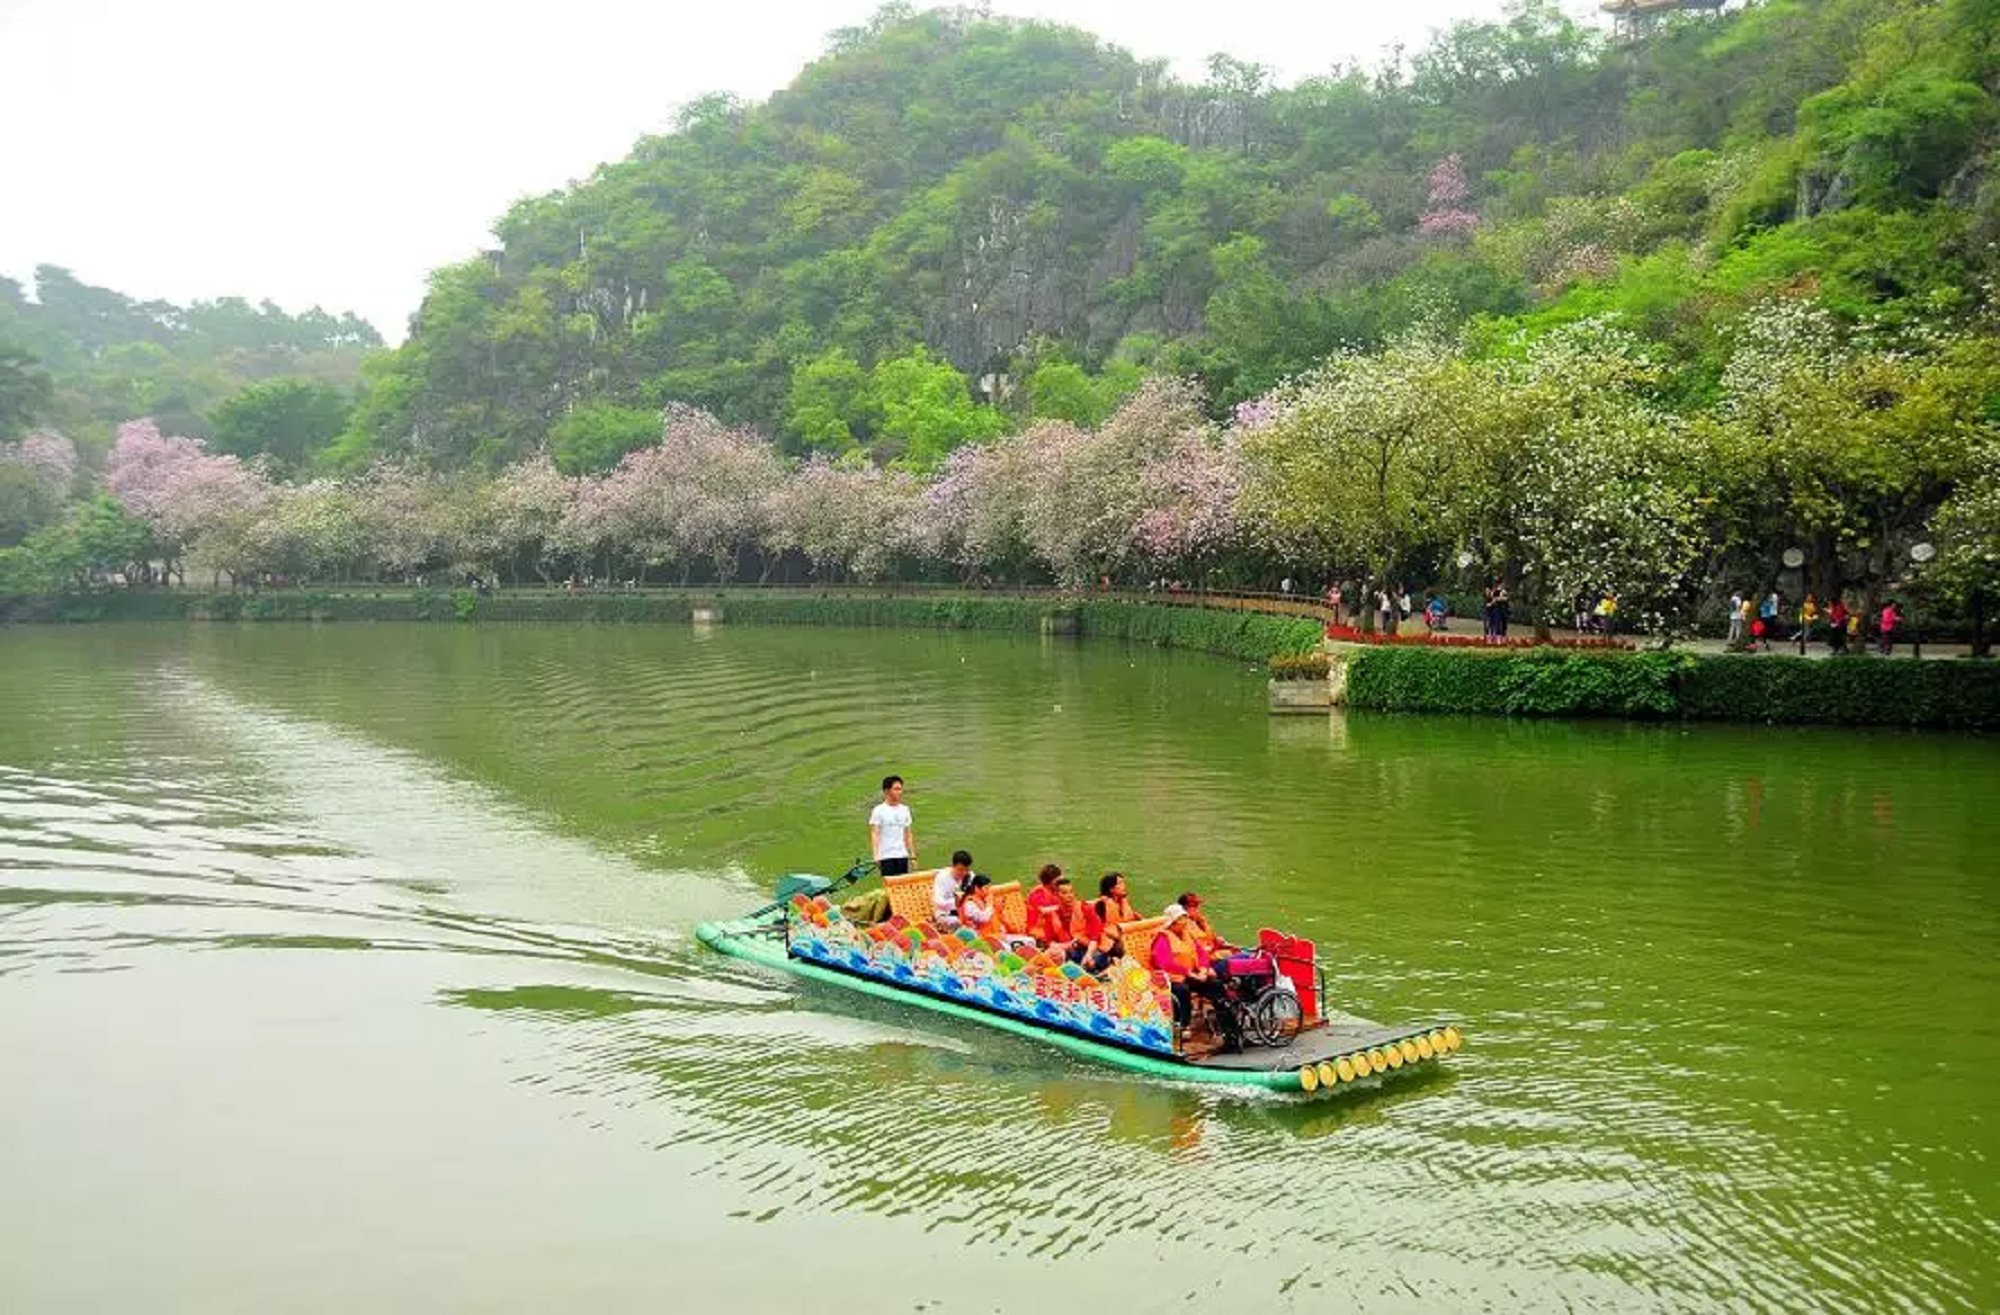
334,154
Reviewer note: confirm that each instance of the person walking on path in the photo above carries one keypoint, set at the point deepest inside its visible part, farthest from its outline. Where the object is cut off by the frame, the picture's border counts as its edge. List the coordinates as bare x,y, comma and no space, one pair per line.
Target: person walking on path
1735,635
1808,615
1500,610
1836,619
1767,612
891,838
1890,619
1607,613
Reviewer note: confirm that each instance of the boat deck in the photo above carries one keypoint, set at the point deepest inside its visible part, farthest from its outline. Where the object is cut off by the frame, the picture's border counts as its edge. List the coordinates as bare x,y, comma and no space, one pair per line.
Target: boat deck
1342,1036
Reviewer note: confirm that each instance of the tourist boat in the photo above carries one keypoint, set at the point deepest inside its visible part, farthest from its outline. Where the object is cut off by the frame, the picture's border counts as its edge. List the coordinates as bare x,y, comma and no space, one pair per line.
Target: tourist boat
1121,1018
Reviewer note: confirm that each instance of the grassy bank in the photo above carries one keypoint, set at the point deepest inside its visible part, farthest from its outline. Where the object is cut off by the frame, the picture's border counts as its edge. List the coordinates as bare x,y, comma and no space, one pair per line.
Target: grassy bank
1544,682
1247,635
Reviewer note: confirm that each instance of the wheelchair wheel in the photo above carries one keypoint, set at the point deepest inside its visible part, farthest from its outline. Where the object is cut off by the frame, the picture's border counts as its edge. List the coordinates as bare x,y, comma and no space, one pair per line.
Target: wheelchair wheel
1276,1018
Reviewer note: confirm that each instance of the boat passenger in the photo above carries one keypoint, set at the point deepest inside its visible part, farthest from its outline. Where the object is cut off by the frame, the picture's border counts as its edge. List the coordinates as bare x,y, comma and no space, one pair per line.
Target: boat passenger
1211,940
1085,930
978,911
1178,954
1114,909
1044,923
947,887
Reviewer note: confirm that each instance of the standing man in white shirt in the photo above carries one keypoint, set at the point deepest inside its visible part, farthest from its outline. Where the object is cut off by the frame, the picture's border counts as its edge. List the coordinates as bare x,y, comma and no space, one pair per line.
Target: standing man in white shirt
890,835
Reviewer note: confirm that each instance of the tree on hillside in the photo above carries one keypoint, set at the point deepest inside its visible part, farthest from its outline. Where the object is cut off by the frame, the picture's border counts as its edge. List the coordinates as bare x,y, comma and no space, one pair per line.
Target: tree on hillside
926,410
25,391
596,436
286,421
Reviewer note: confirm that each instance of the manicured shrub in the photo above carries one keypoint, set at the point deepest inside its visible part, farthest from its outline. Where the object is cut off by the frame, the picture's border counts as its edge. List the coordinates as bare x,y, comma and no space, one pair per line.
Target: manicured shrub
1252,636
1546,682
1851,690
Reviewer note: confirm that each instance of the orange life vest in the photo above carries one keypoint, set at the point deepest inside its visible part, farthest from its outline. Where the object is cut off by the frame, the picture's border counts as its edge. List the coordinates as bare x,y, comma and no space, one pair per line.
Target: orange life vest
1111,913
1184,949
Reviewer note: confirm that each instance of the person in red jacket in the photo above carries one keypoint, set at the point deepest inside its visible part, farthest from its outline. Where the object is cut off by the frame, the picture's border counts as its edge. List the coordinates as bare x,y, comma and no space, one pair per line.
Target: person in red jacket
1074,930
1044,924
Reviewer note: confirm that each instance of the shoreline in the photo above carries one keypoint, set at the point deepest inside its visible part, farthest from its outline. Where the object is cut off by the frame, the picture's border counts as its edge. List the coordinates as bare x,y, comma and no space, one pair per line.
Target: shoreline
1685,685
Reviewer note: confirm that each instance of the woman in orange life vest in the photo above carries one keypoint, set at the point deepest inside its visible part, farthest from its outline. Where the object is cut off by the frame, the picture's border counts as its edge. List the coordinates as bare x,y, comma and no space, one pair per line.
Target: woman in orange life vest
1178,954
977,911
1113,910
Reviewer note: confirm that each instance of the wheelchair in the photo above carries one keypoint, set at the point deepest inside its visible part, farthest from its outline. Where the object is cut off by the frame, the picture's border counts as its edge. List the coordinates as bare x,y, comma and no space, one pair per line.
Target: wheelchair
1263,1000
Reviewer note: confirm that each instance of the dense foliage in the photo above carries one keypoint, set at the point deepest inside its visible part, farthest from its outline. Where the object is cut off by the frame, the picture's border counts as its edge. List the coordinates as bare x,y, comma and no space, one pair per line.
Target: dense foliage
982,299
80,359
951,189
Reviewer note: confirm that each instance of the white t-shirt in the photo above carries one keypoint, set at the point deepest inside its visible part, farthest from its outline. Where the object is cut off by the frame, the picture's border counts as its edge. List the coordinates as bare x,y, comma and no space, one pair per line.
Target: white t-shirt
944,896
893,821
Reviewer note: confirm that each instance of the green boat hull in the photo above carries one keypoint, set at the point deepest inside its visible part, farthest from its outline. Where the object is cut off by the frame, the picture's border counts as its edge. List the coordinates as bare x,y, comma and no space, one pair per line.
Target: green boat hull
757,939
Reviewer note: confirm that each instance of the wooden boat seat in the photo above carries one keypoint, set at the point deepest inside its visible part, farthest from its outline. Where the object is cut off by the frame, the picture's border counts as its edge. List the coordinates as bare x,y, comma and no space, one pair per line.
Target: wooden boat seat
910,896
1137,937
1012,906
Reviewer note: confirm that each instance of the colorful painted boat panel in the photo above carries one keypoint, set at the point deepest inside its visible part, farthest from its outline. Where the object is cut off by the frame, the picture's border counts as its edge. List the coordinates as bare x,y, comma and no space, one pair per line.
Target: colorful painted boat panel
1127,1005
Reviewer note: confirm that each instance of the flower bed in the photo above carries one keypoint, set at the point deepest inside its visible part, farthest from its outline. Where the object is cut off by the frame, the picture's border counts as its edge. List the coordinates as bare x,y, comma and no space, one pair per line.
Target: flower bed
1346,634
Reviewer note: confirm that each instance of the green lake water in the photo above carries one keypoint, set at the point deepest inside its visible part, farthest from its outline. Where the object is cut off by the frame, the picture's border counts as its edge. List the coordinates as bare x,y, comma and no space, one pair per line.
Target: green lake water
352,968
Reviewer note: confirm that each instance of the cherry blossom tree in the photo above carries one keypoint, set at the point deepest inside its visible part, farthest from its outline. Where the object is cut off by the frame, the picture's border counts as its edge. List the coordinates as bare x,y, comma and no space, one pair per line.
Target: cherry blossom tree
526,508
975,510
847,518
1089,490
50,457
700,493
1446,214
1361,462
193,500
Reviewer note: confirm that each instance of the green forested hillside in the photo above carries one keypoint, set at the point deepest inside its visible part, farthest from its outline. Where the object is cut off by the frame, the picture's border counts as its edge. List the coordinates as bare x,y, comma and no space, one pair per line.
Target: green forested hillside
87,358
1053,217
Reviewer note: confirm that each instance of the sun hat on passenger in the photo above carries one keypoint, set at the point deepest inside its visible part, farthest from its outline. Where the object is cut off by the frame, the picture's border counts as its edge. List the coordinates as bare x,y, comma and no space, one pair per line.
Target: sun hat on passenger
1173,913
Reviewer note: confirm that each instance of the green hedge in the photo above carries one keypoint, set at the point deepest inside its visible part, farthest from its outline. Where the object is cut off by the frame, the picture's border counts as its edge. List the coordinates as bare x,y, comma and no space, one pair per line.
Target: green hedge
322,605
883,611
1547,682
1536,681
1247,635
1853,690
1252,636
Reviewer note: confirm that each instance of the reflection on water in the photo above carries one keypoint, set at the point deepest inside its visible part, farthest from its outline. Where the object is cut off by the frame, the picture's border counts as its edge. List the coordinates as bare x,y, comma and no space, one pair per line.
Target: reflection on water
335,958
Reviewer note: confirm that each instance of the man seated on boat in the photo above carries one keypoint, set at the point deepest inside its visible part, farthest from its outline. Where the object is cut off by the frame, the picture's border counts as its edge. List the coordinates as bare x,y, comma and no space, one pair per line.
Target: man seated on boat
1211,940
1074,931
1181,957
1114,909
947,887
